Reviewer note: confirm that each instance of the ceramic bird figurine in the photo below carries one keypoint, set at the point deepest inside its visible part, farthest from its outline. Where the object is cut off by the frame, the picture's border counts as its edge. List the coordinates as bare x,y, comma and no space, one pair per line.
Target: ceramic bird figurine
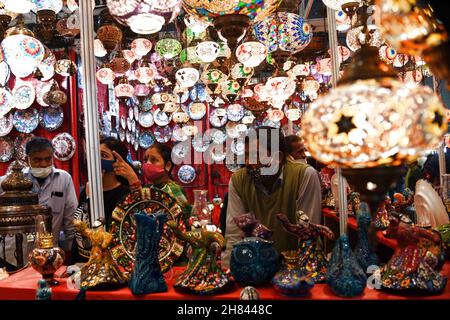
312,258
252,227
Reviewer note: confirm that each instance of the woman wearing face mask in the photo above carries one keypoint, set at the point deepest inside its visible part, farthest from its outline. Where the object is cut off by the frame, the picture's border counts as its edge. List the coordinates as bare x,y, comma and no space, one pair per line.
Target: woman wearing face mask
157,170
118,179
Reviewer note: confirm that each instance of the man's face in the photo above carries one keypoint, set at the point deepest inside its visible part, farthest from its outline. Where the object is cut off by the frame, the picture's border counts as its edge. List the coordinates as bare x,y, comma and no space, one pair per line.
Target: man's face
41,159
259,157
298,150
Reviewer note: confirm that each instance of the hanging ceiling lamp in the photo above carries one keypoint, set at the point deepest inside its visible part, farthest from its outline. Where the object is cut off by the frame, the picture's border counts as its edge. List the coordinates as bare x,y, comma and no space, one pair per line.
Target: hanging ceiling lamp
105,75
195,24
372,119
207,51
146,72
19,6
119,64
168,48
141,46
251,52
22,51
124,90
109,34
99,49
187,76
144,16
342,4
65,67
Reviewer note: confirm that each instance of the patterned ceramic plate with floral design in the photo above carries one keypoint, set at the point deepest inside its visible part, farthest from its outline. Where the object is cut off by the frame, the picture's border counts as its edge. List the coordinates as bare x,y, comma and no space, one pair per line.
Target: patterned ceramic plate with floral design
161,118
123,228
162,134
6,101
26,121
180,151
24,95
6,124
146,105
41,89
6,149
51,118
146,119
235,112
64,145
146,140
20,144
186,174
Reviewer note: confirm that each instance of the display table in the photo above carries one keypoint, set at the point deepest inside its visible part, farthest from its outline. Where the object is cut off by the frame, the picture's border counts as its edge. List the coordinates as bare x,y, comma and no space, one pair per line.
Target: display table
22,286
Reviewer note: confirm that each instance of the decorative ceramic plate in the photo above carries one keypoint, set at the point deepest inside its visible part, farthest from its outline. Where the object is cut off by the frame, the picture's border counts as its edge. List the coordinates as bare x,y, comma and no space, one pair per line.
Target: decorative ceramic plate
6,124
123,228
4,73
6,149
178,134
129,124
123,122
162,134
161,118
133,139
41,90
146,119
218,136
64,145
146,140
186,174
217,154
6,101
200,143
51,118
196,110
180,151
218,117
128,136
136,112
20,144
238,147
235,112
131,113
122,134
24,95
26,121
133,126
136,144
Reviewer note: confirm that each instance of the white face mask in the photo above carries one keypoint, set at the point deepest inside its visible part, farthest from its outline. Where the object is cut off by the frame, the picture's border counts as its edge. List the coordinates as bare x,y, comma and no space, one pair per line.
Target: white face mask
41,173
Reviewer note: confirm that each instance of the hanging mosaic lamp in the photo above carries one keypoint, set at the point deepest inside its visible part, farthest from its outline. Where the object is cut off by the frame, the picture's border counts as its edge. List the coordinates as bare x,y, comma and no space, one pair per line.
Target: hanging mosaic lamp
168,48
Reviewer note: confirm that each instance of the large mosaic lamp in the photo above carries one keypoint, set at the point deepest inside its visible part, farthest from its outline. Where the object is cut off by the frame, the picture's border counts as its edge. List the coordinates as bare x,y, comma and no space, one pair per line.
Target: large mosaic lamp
144,16
22,51
370,124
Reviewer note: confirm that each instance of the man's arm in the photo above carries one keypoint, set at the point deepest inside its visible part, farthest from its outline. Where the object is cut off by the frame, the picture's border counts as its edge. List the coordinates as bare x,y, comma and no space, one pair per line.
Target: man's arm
233,234
69,211
310,196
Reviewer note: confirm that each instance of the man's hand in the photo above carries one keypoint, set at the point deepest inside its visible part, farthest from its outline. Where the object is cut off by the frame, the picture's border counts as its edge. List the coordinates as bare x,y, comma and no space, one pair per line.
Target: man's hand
123,169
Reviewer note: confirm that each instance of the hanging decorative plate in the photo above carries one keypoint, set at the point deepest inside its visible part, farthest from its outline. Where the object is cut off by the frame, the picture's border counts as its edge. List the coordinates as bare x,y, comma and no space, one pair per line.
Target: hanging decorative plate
20,144
146,119
123,122
128,136
123,227
136,112
146,140
129,124
132,138
218,136
64,145
122,134
131,113
6,149
42,88
200,143
178,134
161,118
26,121
238,147
162,134
4,73
196,110
23,94
235,112
51,118
186,174
6,100
136,144
180,151
218,117
217,154
6,124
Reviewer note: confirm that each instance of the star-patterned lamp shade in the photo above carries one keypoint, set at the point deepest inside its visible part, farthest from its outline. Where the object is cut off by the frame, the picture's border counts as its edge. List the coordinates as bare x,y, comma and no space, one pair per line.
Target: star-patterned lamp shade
409,28
144,16
371,123
285,31
207,10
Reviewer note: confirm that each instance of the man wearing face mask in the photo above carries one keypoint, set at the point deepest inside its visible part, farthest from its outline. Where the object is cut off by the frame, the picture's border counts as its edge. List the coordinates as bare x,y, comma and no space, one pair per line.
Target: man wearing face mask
54,188
269,185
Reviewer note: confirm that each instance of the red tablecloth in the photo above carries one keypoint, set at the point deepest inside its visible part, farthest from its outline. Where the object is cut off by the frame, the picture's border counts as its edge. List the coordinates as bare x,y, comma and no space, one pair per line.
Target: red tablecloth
22,286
